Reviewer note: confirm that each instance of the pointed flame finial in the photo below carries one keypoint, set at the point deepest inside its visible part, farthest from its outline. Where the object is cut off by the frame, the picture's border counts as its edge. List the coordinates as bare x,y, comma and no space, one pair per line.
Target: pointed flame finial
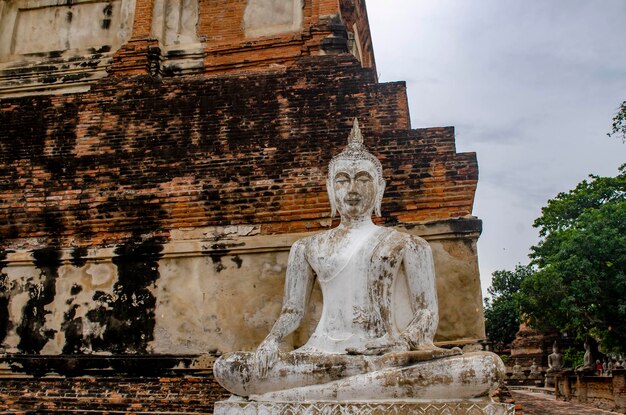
355,150
355,139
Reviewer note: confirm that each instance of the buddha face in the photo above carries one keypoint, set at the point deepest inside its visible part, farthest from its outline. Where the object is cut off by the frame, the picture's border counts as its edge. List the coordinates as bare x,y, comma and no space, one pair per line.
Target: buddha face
355,186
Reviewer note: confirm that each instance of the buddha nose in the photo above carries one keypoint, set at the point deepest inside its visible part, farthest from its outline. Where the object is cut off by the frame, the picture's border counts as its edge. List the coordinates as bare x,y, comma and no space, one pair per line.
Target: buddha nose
353,188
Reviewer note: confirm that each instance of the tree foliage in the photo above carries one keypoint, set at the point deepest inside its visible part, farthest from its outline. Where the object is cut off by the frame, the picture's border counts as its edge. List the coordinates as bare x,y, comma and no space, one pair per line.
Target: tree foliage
580,283
502,315
618,128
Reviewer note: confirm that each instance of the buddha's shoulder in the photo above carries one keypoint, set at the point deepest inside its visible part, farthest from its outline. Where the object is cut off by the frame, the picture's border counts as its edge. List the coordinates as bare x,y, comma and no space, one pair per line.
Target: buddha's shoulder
405,238
402,243
311,240
327,238
317,238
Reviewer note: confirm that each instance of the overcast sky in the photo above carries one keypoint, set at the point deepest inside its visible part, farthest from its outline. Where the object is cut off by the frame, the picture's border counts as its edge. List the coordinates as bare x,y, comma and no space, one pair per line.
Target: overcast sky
531,87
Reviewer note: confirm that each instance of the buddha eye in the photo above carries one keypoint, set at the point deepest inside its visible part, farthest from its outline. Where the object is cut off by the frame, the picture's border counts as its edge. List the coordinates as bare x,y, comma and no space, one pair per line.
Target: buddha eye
364,177
342,179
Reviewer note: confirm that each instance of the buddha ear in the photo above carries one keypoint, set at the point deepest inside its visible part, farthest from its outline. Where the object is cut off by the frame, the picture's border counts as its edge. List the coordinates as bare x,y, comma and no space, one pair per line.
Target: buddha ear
331,198
379,197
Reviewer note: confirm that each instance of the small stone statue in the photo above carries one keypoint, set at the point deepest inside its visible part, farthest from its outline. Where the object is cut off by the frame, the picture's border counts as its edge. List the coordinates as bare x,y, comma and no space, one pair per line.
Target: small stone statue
610,366
555,365
555,359
587,366
518,373
535,371
375,335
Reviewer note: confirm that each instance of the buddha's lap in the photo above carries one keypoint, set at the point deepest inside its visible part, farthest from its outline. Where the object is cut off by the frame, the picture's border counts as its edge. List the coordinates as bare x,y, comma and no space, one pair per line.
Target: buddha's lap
238,371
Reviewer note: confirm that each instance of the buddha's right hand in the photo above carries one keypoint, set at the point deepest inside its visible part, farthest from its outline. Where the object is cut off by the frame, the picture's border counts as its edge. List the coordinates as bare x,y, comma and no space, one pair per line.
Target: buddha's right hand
266,356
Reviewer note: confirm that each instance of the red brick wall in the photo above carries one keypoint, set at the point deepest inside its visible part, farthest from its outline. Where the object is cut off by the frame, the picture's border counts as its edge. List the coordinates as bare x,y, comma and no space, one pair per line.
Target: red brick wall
607,392
619,390
142,156
102,395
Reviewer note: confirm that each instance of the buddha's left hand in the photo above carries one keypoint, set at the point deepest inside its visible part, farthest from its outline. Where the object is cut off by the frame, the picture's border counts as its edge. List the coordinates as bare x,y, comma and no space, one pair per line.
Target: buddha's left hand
265,356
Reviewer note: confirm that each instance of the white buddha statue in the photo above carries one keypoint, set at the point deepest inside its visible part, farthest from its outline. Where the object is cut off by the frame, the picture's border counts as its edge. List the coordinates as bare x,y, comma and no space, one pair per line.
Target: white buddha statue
375,336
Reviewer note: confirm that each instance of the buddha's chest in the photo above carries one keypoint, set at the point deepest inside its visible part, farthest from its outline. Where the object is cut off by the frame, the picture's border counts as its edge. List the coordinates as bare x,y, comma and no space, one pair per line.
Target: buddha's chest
348,255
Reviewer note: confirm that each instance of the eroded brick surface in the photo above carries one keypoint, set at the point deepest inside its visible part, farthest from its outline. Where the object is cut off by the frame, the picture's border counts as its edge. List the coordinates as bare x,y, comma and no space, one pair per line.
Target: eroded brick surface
100,395
142,156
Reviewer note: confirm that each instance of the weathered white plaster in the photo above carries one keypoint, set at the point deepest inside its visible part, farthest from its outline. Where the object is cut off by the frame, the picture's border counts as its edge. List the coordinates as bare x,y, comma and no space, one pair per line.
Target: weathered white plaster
174,24
39,26
62,44
61,304
185,305
100,275
272,17
174,21
26,282
19,281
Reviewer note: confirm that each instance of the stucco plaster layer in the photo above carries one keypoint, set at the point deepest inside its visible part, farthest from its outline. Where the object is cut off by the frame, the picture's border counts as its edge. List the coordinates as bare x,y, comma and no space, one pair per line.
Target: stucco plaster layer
207,290
59,46
271,17
234,407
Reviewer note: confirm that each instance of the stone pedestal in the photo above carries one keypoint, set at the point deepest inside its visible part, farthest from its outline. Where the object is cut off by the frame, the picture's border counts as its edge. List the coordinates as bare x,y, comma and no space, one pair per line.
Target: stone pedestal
387,407
550,378
619,390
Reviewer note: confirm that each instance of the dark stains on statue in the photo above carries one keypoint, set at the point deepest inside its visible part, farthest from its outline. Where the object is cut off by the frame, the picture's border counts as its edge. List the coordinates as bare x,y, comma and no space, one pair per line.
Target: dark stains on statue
128,315
32,331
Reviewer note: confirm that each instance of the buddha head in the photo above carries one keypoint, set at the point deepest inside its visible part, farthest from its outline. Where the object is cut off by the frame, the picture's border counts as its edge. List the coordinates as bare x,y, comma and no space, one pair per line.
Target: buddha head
355,180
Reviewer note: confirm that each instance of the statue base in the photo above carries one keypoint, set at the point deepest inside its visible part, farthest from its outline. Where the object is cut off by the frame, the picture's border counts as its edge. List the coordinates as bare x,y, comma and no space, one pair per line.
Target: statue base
240,406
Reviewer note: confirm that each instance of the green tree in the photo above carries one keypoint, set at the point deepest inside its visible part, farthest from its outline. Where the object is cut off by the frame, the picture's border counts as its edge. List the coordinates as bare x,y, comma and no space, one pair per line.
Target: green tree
502,315
618,128
580,283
